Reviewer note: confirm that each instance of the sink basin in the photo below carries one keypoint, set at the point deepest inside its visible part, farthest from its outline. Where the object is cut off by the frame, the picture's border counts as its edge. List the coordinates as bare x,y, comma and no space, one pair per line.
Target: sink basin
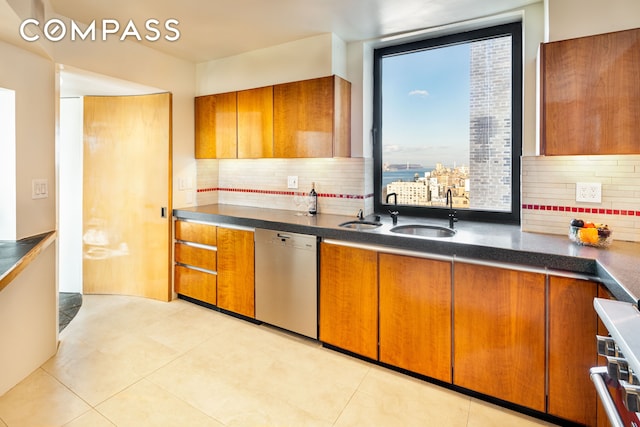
360,225
422,230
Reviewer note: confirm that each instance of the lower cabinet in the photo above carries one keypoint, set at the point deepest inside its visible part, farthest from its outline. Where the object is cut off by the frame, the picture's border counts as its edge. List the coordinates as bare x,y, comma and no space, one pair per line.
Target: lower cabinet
349,299
415,314
215,265
499,333
572,349
195,284
236,271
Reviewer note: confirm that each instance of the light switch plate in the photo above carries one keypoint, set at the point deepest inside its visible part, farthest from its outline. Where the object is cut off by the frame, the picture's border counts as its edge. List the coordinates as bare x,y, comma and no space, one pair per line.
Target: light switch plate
590,192
39,188
292,182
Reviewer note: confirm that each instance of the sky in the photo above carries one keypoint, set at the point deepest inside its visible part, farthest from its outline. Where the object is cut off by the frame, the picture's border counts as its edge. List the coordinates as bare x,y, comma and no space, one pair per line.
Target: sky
425,116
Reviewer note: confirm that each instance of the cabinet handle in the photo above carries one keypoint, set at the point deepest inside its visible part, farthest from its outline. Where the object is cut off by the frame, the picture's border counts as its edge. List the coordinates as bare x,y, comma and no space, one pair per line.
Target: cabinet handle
163,212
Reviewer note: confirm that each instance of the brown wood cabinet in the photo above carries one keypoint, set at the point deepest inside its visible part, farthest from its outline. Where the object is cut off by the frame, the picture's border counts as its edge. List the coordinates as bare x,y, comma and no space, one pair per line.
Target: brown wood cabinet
215,126
255,123
415,314
188,281
236,271
349,299
591,95
499,333
572,325
312,118
195,284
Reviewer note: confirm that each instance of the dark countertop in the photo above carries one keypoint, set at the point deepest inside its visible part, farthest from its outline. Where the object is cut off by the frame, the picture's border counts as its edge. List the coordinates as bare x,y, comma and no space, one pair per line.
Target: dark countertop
617,267
14,254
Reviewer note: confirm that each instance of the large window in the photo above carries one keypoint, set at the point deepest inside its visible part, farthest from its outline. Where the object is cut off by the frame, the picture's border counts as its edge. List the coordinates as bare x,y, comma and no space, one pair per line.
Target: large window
448,117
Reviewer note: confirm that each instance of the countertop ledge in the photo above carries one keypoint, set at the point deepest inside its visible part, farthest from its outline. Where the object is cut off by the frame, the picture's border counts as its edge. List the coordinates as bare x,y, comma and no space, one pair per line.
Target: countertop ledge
617,267
15,255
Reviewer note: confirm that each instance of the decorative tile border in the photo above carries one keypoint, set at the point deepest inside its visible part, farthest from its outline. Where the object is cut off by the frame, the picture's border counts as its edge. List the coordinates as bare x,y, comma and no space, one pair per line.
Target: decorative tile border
285,193
574,209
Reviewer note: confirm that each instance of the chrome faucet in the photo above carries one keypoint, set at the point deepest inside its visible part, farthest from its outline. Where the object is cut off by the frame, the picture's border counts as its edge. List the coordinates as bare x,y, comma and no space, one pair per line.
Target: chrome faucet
360,215
452,213
394,214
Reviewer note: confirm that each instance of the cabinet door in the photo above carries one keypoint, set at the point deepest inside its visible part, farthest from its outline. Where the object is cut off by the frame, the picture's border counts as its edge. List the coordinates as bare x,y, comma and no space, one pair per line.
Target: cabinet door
590,95
215,126
415,315
349,299
304,118
196,232
236,277
572,349
195,284
255,123
499,333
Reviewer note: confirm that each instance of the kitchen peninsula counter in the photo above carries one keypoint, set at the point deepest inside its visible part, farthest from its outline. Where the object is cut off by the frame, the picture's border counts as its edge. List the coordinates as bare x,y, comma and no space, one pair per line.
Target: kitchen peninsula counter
15,255
617,267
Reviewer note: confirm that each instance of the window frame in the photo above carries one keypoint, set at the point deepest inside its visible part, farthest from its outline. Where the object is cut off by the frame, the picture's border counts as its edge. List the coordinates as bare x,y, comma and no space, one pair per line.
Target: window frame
515,30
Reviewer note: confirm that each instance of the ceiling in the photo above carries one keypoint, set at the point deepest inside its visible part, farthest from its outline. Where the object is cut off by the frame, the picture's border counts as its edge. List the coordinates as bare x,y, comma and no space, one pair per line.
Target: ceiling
212,29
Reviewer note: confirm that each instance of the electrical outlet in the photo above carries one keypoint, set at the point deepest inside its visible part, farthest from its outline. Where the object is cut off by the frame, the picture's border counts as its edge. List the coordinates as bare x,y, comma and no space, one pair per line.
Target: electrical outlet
590,192
292,182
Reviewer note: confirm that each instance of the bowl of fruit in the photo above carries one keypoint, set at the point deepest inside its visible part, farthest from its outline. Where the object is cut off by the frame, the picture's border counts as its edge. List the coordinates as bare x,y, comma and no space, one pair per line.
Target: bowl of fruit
588,233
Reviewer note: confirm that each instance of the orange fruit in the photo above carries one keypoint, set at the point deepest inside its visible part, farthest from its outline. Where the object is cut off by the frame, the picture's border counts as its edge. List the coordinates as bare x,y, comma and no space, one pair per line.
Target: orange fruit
588,235
589,224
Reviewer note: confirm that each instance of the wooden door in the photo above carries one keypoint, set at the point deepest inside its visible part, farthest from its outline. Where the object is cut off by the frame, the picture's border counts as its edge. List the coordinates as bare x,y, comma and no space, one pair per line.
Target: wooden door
572,325
499,333
126,186
255,123
215,126
415,315
349,299
236,271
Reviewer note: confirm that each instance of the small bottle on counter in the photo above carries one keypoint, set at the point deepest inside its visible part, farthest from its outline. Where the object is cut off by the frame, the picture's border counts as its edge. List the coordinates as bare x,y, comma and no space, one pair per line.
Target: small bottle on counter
313,200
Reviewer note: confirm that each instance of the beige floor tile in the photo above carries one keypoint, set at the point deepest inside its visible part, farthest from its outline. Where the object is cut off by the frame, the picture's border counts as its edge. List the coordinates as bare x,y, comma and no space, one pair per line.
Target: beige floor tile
91,418
146,404
40,400
223,390
94,377
387,398
484,414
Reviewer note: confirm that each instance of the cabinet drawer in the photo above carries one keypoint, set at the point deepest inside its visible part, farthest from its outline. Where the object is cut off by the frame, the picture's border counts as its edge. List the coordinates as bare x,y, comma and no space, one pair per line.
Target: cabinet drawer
195,284
196,232
197,257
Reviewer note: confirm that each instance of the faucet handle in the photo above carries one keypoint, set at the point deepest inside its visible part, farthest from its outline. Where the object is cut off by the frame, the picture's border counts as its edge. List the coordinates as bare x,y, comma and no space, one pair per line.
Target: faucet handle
360,214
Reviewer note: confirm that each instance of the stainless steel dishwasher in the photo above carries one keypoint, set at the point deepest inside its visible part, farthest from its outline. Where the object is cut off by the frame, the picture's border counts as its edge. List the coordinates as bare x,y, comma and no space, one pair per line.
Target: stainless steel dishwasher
286,267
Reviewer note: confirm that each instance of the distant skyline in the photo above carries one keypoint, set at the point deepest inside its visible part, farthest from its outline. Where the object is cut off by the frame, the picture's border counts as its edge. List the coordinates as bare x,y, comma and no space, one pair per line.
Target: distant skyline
425,116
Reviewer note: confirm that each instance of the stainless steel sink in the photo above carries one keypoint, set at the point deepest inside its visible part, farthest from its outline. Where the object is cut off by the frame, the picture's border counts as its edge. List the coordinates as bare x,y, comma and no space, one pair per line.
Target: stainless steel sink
360,225
422,230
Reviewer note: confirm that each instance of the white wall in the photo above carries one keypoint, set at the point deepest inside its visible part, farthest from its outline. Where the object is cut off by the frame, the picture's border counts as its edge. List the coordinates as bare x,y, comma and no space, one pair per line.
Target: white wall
28,320
7,164
298,60
70,197
577,18
32,78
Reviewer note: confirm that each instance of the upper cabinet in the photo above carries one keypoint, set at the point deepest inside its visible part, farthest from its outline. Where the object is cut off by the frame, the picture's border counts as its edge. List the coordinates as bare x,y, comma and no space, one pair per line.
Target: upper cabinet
312,118
591,95
215,126
255,123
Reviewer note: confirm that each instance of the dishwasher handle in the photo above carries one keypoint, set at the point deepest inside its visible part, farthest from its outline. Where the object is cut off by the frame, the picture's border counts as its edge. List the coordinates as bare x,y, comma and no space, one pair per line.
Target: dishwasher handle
283,237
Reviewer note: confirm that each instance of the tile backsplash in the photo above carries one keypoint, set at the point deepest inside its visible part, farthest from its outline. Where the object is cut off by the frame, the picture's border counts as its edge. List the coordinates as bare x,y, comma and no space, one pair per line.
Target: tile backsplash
549,193
342,184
